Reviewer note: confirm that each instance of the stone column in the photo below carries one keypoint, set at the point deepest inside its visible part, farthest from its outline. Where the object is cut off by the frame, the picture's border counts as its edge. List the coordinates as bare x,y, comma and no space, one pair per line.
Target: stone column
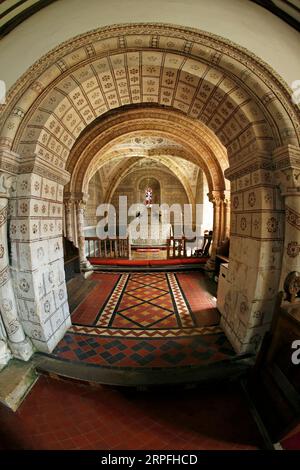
287,161
80,208
19,344
37,258
256,241
227,214
217,198
69,219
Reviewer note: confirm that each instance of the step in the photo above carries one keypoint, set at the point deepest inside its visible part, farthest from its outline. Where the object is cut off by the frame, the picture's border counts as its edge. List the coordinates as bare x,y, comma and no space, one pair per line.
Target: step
130,377
16,380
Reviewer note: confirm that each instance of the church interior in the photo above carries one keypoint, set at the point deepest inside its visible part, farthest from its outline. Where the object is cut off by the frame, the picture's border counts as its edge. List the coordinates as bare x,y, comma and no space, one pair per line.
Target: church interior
149,225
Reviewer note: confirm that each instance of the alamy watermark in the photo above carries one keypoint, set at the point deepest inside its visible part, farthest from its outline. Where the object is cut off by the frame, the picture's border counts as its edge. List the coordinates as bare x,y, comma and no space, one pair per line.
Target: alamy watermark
296,353
154,222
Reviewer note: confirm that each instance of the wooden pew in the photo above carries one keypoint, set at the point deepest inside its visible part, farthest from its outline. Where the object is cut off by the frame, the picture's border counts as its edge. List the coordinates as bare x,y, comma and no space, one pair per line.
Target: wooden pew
273,386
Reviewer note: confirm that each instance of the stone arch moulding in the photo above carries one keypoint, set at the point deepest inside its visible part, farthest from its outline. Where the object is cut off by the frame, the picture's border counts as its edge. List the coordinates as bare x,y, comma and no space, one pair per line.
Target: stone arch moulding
99,144
209,80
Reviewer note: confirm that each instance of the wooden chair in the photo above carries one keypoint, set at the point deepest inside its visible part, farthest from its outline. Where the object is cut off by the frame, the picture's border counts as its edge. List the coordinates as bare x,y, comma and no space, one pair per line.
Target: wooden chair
203,252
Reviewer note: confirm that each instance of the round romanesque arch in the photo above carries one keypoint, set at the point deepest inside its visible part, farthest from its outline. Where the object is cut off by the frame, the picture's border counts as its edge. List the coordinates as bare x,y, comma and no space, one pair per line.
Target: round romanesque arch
225,107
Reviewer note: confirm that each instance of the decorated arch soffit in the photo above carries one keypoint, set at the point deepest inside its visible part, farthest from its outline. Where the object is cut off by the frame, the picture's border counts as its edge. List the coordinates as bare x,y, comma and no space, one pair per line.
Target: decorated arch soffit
208,79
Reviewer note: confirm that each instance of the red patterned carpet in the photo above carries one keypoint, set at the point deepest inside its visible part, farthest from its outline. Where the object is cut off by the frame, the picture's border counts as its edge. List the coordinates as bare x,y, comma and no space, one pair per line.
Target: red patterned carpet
146,320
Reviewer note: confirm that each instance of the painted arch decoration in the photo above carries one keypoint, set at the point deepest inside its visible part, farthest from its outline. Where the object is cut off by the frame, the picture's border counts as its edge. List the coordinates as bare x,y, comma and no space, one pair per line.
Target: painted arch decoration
205,77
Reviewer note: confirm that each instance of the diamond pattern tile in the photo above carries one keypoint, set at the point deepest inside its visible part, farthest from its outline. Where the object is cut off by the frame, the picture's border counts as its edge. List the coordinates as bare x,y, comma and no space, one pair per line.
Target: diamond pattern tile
146,293
146,300
135,353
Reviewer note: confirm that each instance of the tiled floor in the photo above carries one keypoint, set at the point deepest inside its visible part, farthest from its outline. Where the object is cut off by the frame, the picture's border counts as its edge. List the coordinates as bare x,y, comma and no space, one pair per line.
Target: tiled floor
146,301
63,415
88,309
143,353
146,320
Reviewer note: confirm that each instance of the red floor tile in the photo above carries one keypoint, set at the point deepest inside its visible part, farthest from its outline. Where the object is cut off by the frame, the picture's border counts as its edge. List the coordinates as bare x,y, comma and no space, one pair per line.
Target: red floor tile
62,415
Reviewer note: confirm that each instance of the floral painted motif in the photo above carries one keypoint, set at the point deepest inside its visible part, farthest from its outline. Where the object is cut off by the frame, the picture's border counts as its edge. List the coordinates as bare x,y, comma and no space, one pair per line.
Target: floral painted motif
293,249
272,225
24,185
243,223
23,229
251,199
13,229
268,198
23,285
235,202
23,207
256,224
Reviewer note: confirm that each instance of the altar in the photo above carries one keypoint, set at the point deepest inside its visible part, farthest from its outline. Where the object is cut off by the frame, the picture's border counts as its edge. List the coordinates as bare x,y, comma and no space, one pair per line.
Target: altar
151,233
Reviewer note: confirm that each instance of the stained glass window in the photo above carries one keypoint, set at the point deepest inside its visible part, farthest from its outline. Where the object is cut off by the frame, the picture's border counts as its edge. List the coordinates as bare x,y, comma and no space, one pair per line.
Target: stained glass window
148,197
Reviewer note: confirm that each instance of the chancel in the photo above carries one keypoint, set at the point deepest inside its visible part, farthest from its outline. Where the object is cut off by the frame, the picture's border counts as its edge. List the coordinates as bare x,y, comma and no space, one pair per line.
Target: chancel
149,225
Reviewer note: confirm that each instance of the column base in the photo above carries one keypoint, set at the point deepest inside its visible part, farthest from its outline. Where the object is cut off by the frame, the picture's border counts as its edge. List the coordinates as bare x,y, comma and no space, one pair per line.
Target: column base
85,265
5,354
22,350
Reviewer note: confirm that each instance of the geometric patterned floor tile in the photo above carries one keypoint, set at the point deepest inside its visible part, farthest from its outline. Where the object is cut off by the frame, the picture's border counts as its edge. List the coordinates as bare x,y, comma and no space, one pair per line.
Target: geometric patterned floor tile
146,320
136,353
146,300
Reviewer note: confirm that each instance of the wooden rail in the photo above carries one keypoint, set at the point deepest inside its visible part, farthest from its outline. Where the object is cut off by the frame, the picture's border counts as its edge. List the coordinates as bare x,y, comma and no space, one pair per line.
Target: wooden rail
177,247
108,248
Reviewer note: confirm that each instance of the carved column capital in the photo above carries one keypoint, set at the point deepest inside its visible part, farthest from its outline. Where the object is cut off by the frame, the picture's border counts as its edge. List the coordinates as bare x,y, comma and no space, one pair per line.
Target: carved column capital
216,197
287,169
6,182
80,200
69,203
